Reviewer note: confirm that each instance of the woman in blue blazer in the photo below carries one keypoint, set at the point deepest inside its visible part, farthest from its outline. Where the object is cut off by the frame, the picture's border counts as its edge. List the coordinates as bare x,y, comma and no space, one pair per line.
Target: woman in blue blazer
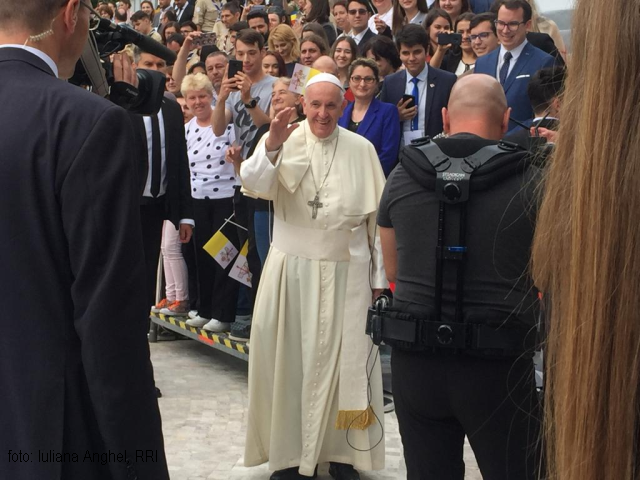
376,121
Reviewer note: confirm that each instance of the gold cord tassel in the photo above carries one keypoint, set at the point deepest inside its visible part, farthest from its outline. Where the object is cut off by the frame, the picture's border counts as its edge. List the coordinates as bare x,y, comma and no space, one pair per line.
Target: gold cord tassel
355,419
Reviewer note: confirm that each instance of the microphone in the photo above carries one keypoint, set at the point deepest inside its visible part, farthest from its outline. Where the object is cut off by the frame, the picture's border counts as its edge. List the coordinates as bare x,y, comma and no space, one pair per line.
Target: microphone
147,44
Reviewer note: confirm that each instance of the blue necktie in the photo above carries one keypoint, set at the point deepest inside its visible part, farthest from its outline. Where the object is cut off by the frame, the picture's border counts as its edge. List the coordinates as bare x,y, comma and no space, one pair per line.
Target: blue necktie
504,71
416,96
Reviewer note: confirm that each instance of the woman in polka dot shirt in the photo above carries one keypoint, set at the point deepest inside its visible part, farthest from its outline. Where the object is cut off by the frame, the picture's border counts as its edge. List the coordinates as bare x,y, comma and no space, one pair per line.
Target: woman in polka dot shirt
213,183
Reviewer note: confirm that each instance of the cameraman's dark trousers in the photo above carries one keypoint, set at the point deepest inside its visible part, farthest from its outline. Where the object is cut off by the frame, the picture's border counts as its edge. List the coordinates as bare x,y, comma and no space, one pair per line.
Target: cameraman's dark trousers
441,397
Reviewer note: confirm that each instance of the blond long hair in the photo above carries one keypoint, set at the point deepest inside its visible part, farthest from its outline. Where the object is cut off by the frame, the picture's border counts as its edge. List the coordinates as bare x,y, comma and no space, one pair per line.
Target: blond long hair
586,254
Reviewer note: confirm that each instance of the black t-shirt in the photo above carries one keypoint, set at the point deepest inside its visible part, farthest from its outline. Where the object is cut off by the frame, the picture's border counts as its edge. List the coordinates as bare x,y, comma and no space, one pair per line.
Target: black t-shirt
500,225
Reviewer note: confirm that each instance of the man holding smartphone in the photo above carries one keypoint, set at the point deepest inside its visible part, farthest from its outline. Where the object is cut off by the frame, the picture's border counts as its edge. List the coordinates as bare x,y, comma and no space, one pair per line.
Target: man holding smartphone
244,100
419,92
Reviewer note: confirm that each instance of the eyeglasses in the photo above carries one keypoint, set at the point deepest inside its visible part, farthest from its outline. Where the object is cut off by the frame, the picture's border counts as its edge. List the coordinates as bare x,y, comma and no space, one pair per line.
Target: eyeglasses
94,17
481,36
360,11
511,26
367,80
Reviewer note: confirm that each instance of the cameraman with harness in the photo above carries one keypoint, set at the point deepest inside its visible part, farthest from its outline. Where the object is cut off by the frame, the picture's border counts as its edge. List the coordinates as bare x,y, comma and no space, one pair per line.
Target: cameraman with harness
456,222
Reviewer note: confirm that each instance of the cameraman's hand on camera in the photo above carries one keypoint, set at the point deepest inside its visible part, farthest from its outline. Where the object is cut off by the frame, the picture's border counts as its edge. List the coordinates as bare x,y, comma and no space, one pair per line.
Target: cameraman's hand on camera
406,113
243,84
123,70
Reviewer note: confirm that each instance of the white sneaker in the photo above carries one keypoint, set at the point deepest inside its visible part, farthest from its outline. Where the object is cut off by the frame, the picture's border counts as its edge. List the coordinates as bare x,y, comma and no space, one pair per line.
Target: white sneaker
216,326
197,322
193,313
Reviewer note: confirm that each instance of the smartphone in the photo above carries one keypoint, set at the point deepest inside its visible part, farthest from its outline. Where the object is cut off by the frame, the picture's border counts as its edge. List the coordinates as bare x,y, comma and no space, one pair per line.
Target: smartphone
412,99
257,7
205,39
235,66
450,39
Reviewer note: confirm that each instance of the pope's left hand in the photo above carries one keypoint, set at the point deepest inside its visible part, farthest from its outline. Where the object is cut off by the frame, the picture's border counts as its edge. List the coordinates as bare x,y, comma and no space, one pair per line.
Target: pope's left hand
186,231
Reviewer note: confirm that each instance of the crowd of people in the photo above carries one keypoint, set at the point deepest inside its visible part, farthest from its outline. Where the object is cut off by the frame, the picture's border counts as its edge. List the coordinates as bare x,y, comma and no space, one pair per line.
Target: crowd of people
280,216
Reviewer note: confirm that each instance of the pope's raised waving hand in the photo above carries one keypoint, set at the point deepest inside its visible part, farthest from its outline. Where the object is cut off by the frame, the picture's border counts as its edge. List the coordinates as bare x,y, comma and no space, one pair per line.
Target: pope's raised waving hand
280,130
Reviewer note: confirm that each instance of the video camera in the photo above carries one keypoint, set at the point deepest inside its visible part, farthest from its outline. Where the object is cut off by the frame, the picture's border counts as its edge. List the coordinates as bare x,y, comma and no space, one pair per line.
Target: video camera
95,69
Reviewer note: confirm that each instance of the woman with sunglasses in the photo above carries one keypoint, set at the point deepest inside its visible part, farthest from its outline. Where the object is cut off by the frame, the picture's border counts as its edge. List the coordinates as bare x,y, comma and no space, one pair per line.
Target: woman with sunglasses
367,116
458,60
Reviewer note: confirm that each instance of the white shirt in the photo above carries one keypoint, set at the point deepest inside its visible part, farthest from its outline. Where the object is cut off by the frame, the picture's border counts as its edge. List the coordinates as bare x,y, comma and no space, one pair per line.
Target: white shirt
38,53
163,169
514,59
386,17
358,38
422,100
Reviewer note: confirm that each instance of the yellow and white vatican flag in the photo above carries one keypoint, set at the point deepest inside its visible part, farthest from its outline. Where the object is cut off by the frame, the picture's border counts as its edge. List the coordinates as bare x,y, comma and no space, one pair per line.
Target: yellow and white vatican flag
240,270
221,249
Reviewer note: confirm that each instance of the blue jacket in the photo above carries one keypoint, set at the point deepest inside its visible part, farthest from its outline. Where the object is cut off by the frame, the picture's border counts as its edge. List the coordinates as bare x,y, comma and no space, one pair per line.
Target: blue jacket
530,61
481,6
439,85
381,126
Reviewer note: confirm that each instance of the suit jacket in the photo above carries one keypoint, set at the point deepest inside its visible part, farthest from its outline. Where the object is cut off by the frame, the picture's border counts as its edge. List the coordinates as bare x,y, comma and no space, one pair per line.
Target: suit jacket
367,36
439,85
481,6
545,43
75,376
381,126
529,62
177,198
187,15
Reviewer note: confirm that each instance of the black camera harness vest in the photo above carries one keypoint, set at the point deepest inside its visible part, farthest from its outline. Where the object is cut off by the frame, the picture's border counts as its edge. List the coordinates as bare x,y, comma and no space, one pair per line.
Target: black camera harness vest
452,187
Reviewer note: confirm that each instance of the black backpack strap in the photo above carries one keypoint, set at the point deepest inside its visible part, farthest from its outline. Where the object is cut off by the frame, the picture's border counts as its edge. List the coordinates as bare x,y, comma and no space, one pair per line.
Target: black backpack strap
453,177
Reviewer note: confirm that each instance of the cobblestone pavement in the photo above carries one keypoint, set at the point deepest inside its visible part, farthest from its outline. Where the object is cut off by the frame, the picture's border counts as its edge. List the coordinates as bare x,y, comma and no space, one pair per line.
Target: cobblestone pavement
203,408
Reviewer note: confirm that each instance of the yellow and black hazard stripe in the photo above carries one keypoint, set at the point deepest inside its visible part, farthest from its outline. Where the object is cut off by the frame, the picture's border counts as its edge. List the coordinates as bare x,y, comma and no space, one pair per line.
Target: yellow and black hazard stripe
209,338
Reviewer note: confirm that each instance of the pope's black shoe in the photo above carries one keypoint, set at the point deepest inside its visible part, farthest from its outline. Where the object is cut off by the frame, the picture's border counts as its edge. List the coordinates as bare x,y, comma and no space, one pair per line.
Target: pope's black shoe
290,474
343,471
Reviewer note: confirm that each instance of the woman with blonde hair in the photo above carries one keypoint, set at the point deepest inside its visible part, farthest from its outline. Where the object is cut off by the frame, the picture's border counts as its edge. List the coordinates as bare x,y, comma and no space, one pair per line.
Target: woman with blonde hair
542,24
213,184
284,40
586,255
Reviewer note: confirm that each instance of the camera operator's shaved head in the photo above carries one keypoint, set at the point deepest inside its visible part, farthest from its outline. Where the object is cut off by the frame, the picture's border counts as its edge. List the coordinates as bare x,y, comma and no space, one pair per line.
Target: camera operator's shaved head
477,105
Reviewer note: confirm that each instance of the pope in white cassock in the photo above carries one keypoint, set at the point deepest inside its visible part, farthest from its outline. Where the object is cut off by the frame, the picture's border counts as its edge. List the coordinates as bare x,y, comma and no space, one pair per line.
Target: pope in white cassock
315,384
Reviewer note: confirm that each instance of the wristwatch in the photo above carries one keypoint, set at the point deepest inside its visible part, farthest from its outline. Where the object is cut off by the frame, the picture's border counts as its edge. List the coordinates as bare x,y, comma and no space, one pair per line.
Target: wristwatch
252,104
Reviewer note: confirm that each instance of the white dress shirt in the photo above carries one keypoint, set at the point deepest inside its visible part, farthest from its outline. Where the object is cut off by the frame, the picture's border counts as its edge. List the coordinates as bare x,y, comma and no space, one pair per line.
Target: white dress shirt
514,59
38,53
358,38
422,100
163,170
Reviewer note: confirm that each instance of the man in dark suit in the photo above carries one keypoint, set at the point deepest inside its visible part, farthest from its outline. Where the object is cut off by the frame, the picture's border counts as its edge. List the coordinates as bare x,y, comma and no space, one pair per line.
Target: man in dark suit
429,86
544,93
359,13
184,10
516,60
76,385
163,168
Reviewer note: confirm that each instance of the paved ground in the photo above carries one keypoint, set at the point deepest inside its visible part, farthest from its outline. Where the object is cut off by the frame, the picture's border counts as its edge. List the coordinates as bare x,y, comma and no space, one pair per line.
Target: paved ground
203,410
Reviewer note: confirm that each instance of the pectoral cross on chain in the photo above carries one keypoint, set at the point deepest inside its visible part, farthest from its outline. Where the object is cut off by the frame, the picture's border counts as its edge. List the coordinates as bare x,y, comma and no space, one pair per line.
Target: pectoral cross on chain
315,204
